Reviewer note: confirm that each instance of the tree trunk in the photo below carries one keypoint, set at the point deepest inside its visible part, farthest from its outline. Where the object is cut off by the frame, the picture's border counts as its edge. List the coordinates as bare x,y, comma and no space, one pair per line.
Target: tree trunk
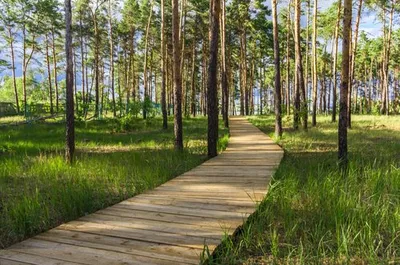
344,86
314,72
13,69
193,82
277,91
288,61
53,35
353,62
299,110
82,62
49,75
70,130
335,56
306,75
163,88
146,50
243,72
212,91
111,58
387,48
177,77
224,76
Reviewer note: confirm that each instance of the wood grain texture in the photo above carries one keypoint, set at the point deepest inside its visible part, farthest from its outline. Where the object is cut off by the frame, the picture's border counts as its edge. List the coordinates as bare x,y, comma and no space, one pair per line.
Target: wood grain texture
170,224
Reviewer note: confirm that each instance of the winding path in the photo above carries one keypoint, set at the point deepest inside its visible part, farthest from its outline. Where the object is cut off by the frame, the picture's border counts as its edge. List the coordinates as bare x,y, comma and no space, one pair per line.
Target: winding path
170,224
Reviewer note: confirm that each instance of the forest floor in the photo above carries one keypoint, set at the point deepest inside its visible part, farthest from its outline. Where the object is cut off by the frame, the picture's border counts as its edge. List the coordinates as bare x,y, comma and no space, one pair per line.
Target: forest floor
115,160
312,213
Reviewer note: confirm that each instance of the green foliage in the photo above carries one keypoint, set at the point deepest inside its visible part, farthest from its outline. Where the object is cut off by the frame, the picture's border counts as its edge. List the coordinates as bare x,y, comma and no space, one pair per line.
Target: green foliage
33,90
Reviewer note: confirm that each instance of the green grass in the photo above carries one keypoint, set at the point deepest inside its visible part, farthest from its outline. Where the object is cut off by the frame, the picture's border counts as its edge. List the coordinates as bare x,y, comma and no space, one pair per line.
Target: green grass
115,160
315,215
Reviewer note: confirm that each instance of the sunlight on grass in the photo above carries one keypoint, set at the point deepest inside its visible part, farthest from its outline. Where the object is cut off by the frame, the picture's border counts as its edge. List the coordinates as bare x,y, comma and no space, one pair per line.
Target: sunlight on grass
315,215
38,190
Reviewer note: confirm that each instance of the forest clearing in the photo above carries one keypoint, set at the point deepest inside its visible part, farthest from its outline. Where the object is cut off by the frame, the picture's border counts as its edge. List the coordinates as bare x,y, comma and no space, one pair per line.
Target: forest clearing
199,132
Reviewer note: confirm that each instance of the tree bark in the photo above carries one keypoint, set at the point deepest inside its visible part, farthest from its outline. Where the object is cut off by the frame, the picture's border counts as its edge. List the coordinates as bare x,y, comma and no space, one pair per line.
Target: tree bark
335,56
146,50
224,75
163,88
70,129
53,35
288,61
177,76
300,109
111,58
10,35
314,72
82,62
344,86
49,75
243,73
212,91
193,81
277,91
353,62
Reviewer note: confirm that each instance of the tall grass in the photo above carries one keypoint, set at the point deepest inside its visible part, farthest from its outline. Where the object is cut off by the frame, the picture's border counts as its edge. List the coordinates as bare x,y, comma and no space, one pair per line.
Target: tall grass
313,214
38,190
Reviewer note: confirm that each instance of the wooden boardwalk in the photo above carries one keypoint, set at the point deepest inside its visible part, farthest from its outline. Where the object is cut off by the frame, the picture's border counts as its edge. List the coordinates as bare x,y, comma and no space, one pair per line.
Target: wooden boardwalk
170,224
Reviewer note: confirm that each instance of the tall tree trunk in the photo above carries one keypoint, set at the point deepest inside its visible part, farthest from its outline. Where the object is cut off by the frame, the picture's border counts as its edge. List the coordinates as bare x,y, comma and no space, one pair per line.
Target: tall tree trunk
96,65
53,35
335,56
70,130
145,74
212,91
353,61
306,75
75,82
300,109
243,72
344,86
25,62
177,76
314,72
49,75
163,77
83,76
387,49
277,91
224,75
182,39
24,71
10,35
193,82
111,39
288,60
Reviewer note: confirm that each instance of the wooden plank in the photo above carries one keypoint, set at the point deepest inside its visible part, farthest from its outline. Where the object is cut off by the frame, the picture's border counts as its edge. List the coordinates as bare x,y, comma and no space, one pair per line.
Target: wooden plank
226,196
157,226
137,234
172,218
217,201
180,210
25,258
135,247
82,255
199,205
